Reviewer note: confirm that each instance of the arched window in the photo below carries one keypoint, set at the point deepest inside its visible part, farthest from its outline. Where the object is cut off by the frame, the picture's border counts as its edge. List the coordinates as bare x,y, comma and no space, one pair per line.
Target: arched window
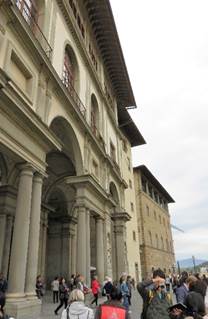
150,238
167,245
94,115
162,243
157,241
68,70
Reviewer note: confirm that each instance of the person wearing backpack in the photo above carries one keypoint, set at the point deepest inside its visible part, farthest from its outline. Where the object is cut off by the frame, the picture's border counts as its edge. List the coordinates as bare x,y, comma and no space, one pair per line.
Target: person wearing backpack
113,307
155,300
76,308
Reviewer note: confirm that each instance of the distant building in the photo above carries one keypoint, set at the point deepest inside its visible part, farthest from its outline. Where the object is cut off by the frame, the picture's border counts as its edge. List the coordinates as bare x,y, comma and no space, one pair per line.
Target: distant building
154,229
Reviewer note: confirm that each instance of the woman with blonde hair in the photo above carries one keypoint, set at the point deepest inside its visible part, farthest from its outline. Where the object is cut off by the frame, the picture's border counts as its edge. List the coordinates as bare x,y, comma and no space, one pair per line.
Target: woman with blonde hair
76,308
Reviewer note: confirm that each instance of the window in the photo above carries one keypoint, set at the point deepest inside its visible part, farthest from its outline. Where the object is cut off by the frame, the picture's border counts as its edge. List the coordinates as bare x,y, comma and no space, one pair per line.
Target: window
29,10
130,184
150,238
112,151
68,71
77,18
134,235
129,163
162,243
95,168
148,211
132,207
94,115
157,241
155,215
143,185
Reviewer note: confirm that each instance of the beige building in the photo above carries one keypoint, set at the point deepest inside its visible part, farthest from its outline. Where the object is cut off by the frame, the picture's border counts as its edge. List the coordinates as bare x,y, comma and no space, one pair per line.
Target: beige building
67,201
154,228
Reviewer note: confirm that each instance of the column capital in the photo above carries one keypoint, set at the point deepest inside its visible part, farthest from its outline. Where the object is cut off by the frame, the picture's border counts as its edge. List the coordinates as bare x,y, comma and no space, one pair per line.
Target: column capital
26,169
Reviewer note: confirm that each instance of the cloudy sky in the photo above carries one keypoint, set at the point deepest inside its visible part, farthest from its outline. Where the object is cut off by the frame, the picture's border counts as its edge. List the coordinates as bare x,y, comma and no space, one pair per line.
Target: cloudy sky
165,45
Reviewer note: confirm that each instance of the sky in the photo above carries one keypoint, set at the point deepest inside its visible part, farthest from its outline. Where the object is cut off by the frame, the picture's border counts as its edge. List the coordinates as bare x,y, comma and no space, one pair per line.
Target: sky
165,45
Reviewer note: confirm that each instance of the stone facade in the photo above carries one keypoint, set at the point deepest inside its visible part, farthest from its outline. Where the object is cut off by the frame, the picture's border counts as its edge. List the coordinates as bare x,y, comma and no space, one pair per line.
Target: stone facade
154,228
67,200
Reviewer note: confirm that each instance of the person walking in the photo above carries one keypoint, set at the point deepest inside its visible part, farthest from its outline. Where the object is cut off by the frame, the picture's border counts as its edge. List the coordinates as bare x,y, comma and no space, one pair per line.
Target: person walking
95,290
125,291
63,295
113,307
76,308
55,289
39,287
108,287
129,284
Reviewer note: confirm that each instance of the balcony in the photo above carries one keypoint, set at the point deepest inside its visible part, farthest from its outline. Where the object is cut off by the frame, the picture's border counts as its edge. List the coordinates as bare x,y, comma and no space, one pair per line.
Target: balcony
30,14
80,106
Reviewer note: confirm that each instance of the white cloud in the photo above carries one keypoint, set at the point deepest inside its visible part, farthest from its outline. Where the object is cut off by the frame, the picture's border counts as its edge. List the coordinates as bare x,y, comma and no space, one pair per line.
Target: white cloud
165,44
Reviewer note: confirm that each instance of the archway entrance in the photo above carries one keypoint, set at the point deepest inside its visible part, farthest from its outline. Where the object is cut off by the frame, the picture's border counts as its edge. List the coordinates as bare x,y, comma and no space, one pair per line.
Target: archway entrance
57,244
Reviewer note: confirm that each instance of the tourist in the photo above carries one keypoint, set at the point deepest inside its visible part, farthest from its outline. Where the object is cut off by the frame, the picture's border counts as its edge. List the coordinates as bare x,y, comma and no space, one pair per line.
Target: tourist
155,300
81,285
55,289
2,314
72,282
95,290
39,287
63,295
129,284
113,307
182,290
107,287
125,291
76,308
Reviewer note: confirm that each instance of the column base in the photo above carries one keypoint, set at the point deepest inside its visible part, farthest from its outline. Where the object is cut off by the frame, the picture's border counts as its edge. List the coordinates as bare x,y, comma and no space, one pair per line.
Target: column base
23,308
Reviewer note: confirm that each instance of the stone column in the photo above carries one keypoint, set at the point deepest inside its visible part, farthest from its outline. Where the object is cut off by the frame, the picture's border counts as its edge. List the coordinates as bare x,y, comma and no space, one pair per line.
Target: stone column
99,249
120,220
72,246
88,253
7,246
17,271
34,235
2,237
44,242
81,241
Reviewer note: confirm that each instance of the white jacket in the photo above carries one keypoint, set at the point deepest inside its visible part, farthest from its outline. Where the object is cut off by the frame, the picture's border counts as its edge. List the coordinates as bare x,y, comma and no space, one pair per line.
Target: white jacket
78,310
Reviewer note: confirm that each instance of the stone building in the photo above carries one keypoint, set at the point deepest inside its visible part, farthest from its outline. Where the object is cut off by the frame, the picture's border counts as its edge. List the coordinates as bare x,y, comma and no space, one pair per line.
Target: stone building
66,180
154,228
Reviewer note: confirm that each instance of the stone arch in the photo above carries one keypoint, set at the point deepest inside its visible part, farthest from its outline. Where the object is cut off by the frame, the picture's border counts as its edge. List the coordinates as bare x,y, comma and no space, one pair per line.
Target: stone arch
64,131
114,193
70,69
95,118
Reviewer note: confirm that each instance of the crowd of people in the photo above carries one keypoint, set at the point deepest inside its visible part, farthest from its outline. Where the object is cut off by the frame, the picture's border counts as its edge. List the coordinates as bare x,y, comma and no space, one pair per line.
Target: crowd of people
164,297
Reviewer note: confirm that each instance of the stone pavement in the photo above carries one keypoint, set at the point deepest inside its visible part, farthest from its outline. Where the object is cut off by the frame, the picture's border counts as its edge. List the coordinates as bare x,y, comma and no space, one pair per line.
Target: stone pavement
48,307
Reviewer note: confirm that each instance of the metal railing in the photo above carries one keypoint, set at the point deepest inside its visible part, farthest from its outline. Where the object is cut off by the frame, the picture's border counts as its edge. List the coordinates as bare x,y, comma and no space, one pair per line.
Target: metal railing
75,98
30,14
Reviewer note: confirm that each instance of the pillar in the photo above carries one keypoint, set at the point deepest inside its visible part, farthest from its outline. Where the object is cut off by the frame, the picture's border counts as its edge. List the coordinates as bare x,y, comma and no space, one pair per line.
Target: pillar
2,237
17,271
7,246
81,241
34,235
73,254
88,253
100,249
44,242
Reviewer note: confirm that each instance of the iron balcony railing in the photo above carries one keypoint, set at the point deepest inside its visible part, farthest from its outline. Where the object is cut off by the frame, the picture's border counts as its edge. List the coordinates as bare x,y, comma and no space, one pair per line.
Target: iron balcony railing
75,97
30,14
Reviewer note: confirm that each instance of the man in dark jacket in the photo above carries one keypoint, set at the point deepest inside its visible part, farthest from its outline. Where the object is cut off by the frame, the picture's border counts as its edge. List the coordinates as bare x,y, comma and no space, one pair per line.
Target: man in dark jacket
155,300
3,289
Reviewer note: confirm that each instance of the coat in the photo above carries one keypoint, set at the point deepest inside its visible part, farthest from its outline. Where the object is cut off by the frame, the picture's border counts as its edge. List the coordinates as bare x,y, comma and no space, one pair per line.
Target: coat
77,310
95,287
181,293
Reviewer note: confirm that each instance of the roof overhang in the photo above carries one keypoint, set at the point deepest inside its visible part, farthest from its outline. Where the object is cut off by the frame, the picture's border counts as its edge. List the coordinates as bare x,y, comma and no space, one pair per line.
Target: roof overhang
103,24
151,178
